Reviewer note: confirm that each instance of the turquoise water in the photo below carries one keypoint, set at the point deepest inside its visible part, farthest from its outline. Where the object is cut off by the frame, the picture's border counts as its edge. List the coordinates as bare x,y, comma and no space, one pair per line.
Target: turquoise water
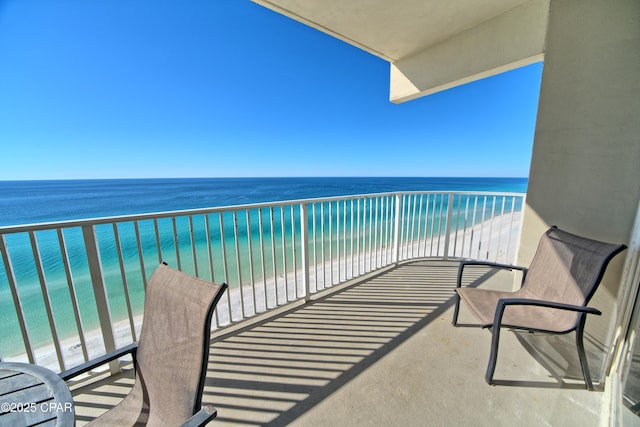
42,201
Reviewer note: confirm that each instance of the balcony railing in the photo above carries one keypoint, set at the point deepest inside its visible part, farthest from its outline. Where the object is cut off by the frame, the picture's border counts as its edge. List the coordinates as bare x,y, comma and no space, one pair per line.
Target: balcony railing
72,290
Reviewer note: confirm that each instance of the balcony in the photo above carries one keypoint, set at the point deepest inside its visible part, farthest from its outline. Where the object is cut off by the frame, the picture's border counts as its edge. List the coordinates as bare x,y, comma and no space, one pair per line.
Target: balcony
378,351
338,312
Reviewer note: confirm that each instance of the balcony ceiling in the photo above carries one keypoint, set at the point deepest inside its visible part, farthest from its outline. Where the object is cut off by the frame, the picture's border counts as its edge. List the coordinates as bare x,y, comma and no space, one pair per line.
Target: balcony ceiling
431,44
392,30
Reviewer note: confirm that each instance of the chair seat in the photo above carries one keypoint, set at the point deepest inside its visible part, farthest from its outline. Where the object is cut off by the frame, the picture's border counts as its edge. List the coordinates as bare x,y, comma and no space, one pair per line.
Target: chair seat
132,411
483,303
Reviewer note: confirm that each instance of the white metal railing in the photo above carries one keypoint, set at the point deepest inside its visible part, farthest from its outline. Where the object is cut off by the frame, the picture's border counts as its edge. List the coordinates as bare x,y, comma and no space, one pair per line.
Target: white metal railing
72,290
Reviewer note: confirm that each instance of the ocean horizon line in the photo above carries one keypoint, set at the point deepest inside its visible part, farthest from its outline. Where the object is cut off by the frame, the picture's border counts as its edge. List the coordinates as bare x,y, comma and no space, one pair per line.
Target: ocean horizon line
268,177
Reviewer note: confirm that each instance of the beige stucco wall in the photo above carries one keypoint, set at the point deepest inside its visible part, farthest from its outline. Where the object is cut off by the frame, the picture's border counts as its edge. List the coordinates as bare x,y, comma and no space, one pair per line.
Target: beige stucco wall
585,167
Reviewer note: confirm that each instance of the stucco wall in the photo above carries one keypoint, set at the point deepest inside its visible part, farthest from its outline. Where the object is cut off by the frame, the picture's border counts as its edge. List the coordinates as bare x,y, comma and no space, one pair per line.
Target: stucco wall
585,168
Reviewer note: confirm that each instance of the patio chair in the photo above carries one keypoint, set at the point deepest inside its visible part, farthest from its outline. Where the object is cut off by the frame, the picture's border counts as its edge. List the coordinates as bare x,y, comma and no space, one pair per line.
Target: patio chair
171,356
554,292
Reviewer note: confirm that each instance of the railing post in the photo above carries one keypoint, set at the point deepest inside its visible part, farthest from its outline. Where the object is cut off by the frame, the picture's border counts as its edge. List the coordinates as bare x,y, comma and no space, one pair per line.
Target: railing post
447,233
304,237
396,229
99,291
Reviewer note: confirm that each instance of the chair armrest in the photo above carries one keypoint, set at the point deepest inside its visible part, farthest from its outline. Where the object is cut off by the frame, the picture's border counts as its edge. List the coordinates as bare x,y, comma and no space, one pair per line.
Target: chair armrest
203,416
91,364
463,264
504,302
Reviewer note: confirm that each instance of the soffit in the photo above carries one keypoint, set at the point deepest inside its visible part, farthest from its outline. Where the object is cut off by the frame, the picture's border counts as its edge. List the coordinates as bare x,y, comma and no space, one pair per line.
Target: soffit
391,29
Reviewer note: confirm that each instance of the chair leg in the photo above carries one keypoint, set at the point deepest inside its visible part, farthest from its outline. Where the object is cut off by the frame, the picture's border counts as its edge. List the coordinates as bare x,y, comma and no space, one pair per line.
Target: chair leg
456,310
493,357
581,353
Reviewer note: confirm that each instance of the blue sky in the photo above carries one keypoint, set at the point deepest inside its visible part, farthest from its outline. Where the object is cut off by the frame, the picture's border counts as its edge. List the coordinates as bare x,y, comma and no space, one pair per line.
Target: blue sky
227,88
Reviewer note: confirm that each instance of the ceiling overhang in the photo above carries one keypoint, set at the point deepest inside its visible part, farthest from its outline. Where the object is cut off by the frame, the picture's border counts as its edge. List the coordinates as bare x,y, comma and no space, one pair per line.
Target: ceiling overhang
431,45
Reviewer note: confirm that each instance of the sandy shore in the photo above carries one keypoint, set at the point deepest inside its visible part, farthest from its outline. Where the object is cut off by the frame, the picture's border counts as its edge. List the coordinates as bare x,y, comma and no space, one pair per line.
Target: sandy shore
488,240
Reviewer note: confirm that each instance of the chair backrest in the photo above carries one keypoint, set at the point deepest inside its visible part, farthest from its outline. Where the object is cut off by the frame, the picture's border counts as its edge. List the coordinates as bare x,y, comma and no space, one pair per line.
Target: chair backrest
173,349
568,268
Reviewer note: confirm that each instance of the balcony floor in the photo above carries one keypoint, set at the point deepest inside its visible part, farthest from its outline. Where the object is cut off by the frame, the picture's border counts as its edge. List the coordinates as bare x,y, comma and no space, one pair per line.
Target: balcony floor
382,351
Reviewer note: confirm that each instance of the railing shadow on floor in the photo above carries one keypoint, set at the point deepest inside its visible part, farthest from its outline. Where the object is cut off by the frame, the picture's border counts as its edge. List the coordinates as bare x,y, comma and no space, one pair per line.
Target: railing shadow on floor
275,371
272,371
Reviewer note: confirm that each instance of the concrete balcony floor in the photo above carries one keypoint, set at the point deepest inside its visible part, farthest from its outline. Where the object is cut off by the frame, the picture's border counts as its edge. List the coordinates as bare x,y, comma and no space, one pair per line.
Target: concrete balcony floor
382,351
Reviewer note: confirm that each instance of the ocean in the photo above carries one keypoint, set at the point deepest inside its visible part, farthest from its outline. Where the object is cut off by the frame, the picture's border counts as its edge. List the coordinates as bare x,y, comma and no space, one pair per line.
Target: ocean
29,202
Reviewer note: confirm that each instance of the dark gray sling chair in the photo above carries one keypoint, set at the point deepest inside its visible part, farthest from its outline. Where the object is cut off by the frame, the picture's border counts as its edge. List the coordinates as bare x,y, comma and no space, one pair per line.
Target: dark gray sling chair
170,357
554,293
